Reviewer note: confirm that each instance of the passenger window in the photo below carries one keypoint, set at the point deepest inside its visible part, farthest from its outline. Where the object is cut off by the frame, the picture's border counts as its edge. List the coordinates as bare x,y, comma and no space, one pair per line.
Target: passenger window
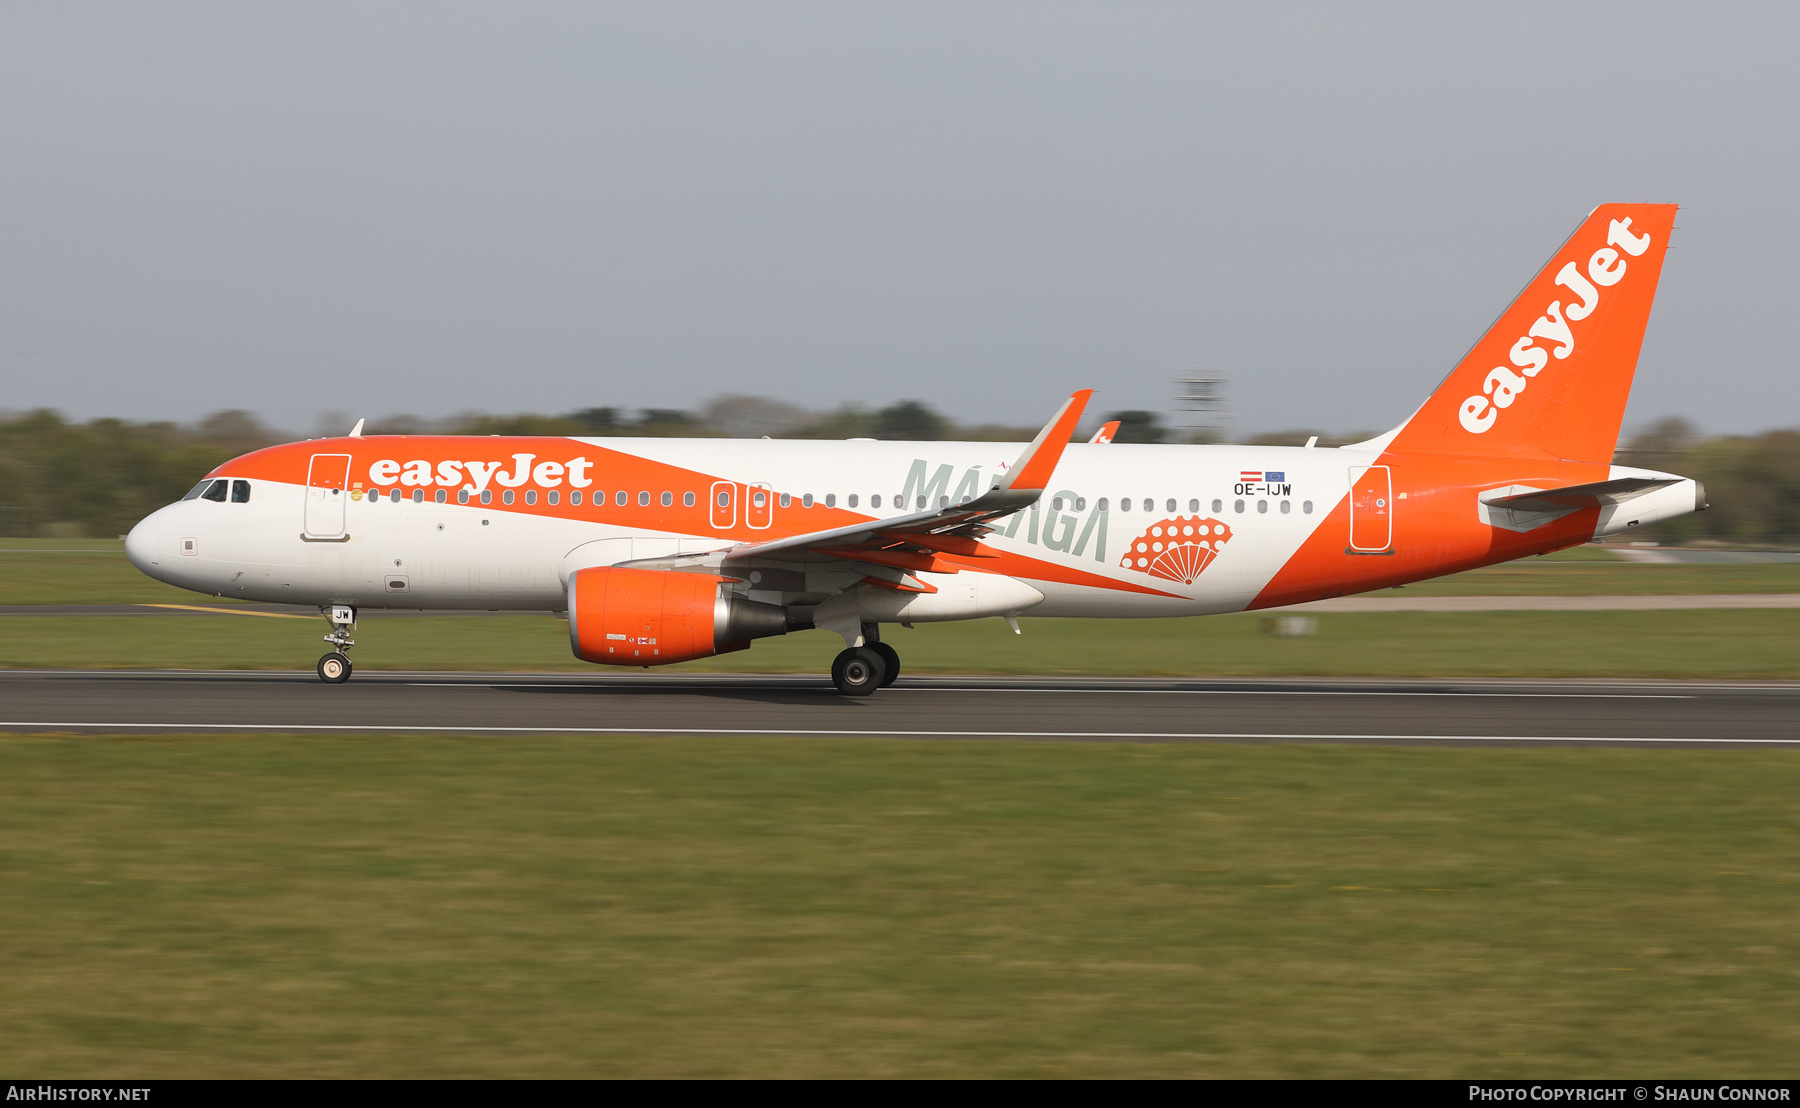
1081,503
687,500
1056,504
394,497
1194,506
1149,504
1218,506
553,496
852,500
1238,507
194,493
831,500
441,495
418,496
575,497
1102,504
668,499
217,491
621,498
487,496
643,499
505,497
1306,506
1124,503
531,496
1262,507
240,492
1171,505
943,502
806,500
786,499
875,501
1286,507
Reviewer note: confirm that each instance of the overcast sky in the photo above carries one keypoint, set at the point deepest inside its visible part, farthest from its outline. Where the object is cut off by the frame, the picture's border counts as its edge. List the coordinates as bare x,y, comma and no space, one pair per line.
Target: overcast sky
429,208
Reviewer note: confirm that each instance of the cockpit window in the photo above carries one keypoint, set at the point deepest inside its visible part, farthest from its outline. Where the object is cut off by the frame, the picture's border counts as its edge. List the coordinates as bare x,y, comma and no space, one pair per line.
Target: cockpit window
194,493
217,492
240,492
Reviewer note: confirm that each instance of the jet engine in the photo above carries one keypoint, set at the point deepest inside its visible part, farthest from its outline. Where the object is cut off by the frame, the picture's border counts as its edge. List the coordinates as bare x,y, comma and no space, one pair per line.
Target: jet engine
652,617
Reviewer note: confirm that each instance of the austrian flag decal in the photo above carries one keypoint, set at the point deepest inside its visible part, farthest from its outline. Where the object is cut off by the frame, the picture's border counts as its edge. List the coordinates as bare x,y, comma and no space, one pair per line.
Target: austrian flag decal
1177,549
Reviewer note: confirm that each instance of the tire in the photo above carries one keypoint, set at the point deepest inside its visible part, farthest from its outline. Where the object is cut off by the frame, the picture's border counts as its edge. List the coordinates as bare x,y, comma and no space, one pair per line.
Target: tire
858,671
334,668
890,658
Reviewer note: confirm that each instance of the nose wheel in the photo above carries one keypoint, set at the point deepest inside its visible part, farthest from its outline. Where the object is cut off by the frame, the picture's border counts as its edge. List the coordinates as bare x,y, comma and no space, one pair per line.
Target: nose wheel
334,668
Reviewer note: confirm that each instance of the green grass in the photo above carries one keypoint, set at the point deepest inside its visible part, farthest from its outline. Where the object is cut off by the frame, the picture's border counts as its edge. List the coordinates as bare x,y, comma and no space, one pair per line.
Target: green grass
1547,577
1713,643
80,571
447,907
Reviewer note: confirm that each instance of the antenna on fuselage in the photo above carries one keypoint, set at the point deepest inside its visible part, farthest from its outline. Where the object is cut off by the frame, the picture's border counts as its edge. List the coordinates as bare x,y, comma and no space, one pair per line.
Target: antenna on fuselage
356,431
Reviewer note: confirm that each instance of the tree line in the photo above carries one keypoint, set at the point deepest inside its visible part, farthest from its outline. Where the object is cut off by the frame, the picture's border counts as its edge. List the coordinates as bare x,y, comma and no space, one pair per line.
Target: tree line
60,478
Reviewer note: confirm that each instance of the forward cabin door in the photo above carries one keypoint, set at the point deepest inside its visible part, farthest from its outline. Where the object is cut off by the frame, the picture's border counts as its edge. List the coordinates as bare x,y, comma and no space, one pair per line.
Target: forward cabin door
1371,509
326,481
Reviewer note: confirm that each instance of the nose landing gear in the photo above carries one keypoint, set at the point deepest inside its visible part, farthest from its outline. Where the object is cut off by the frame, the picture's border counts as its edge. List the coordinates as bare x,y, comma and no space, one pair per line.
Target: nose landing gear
334,668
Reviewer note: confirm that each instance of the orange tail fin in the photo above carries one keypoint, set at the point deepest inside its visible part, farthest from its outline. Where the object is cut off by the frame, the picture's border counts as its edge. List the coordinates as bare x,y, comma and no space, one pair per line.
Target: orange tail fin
1552,375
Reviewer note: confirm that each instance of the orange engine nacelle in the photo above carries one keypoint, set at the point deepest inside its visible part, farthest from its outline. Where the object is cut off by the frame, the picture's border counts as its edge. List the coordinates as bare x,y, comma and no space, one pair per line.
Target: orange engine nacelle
652,617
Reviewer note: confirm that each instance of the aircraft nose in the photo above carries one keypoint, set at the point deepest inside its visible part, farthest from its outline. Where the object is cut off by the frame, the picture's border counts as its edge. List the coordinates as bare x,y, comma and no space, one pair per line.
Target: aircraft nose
142,544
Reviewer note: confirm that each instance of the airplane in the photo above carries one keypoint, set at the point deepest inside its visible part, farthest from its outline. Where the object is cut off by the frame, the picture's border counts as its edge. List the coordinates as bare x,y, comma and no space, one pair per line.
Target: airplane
663,550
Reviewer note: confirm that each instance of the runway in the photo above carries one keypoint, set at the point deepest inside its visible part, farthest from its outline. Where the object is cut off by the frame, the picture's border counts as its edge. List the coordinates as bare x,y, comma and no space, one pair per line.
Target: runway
1442,712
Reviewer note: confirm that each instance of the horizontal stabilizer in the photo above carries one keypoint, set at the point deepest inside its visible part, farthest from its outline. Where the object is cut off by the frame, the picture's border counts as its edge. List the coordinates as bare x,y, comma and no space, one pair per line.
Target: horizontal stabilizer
1591,495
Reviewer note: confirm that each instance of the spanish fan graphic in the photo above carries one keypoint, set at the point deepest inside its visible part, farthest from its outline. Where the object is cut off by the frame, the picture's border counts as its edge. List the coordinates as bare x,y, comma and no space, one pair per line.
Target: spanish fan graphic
1177,549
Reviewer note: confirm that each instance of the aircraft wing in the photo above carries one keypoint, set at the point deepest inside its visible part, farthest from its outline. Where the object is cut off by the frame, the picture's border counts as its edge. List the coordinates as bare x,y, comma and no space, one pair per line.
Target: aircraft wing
893,548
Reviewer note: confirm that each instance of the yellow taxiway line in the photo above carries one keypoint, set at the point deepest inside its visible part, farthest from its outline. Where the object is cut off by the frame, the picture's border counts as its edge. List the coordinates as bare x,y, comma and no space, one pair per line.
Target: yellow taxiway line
227,611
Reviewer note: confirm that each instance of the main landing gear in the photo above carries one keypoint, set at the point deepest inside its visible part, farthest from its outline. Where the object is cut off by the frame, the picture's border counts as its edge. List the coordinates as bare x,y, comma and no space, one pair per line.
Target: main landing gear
334,668
861,670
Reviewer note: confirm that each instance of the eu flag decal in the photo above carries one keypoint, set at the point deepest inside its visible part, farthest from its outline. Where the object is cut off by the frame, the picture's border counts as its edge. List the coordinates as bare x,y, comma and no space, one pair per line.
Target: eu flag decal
1275,475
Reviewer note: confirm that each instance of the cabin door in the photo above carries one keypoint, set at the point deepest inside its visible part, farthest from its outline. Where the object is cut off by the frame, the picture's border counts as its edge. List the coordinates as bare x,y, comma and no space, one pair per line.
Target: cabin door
326,481
1371,509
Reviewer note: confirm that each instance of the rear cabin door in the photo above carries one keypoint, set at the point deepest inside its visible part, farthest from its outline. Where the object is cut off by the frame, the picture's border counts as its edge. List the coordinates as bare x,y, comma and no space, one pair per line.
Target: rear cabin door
1371,509
326,481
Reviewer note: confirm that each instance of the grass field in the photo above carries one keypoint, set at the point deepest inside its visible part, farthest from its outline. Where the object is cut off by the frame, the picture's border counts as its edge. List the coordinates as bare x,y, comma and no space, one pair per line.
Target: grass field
1705,643
392,906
